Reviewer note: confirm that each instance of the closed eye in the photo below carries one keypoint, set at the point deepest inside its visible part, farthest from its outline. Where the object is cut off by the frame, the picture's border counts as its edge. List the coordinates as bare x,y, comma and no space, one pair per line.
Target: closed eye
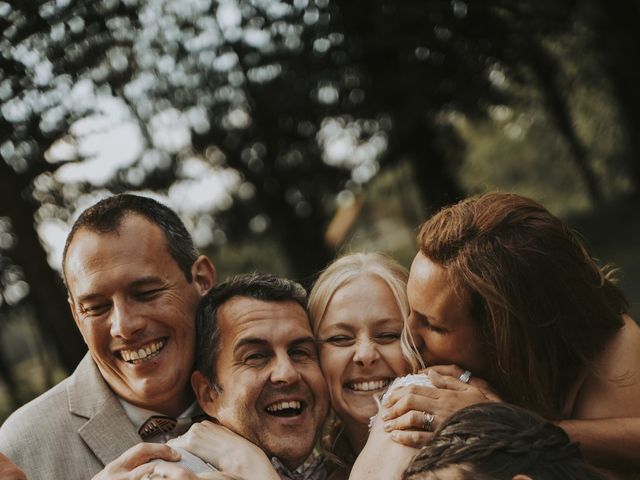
148,294
301,353
340,340
387,337
94,310
435,329
256,358
421,321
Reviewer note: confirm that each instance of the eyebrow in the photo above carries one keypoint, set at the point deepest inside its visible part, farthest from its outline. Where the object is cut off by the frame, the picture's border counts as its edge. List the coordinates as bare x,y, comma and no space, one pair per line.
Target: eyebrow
137,283
302,341
428,318
380,321
88,298
144,281
261,342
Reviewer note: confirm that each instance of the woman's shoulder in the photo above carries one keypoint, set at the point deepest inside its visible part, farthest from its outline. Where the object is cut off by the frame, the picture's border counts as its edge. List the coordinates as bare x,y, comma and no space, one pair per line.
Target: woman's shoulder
612,387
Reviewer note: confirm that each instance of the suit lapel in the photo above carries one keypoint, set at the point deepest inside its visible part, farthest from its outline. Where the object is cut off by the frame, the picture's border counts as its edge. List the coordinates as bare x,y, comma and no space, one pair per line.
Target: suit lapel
108,431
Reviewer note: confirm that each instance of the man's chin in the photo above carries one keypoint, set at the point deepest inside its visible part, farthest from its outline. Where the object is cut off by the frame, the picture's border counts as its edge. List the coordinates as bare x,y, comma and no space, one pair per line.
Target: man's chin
157,396
291,460
291,457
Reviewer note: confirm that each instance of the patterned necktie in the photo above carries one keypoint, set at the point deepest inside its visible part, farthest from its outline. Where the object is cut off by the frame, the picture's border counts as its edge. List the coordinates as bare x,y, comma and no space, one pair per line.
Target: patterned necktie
162,424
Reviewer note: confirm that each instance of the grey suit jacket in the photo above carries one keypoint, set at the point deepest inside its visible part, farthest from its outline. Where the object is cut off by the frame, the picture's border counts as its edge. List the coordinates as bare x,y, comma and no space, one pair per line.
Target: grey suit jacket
71,431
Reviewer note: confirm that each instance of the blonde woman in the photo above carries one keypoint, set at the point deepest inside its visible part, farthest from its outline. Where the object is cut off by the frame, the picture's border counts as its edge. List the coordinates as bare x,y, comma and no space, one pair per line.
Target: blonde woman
358,308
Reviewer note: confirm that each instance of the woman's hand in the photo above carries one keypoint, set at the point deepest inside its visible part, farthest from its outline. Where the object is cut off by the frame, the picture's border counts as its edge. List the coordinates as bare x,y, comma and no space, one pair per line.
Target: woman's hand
226,451
406,411
381,458
137,462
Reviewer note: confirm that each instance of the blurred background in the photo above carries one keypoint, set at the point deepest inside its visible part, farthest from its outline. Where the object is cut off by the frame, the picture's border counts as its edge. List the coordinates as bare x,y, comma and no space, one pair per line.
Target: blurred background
286,132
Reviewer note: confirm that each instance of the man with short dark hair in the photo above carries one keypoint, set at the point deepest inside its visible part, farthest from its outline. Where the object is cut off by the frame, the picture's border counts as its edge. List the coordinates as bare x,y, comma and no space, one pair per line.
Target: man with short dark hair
134,281
257,373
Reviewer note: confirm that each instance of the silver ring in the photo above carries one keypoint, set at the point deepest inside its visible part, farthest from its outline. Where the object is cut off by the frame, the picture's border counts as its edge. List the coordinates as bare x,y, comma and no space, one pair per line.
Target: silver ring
427,421
465,377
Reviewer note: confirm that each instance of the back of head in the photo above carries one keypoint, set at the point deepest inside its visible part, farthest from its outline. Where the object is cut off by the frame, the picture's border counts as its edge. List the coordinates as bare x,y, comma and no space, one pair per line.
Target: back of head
260,286
356,265
107,215
544,307
500,440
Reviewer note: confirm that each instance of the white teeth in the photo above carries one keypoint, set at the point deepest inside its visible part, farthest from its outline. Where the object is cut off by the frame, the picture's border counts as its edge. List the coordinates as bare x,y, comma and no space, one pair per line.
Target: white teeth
367,386
143,353
276,407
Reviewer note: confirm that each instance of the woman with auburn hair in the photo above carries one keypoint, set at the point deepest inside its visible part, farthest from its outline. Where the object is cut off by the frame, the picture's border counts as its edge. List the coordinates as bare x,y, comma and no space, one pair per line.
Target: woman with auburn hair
358,308
503,289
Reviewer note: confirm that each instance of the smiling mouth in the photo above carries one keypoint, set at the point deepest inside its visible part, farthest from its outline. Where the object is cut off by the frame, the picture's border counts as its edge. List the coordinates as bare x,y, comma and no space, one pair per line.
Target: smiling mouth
370,386
142,354
291,408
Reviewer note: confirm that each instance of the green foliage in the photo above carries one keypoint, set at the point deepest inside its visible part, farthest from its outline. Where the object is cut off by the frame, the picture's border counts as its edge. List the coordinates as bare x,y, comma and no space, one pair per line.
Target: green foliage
259,121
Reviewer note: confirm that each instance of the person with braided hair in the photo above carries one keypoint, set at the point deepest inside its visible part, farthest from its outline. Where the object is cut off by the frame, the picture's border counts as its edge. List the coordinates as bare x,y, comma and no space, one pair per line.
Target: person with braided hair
504,289
501,442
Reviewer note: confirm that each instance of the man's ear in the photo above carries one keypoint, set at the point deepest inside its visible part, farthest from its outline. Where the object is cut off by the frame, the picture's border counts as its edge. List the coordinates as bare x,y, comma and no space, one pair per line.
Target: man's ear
204,274
206,393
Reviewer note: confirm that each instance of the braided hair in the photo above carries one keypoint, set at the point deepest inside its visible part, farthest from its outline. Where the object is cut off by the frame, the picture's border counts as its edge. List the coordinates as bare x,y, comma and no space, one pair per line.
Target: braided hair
501,440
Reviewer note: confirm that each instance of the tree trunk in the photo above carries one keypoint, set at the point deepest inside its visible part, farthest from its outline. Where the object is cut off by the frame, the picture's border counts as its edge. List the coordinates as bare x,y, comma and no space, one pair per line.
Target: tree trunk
47,292
545,69
6,374
434,178
618,38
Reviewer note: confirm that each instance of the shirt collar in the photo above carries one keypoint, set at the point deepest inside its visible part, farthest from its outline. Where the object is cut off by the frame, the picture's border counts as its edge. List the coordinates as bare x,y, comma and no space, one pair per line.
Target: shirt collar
312,468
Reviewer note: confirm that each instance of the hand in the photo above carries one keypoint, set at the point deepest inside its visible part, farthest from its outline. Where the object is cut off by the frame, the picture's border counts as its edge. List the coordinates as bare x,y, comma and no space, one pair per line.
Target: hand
173,471
454,372
133,464
226,450
381,457
10,471
405,410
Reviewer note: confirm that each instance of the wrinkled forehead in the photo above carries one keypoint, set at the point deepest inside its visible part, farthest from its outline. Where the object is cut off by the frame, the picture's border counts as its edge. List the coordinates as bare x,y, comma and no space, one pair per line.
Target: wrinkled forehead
138,248
128,224
274,322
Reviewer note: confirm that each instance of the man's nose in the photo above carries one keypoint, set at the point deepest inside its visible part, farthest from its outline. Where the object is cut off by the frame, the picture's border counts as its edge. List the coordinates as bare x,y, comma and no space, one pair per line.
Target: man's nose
284,371
366,353
125,321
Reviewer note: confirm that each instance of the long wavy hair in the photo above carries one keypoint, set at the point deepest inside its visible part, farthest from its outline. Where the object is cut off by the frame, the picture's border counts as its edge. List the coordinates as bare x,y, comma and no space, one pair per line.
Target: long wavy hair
543,305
